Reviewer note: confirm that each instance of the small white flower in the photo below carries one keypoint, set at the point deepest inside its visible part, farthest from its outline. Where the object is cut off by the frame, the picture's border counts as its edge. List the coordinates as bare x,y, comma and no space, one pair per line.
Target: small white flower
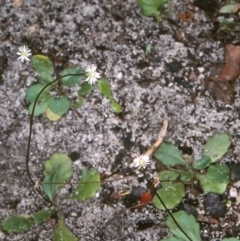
24,53
141,161
92,75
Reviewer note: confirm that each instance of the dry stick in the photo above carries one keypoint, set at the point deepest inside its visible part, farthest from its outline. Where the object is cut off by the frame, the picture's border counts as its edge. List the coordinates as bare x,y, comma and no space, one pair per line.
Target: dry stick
149,153
30,135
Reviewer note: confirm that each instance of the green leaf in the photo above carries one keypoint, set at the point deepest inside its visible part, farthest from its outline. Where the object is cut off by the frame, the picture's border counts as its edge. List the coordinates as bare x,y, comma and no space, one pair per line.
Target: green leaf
169,155
186,176
33,91
45,77
173,238
40,108
62,232
217,146
230,239
57,170
202,163
51,115
229,8
171,194
216,179
75,76
150,7
89,184
187,222
168,175
116,107
42,63
86,88
104,88
18,223
42,216
60,105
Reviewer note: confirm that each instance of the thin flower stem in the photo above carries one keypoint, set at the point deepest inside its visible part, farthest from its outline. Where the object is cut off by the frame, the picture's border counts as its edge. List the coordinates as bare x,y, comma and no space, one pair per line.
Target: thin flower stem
30,135
158,142
168,211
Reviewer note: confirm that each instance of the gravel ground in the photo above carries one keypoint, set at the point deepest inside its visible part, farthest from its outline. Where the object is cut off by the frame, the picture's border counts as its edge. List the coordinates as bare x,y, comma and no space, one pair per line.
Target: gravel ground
112,34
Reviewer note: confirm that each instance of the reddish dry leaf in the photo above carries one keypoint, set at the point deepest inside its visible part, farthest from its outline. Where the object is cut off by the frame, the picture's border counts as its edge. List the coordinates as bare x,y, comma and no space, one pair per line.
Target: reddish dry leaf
231,69
220,90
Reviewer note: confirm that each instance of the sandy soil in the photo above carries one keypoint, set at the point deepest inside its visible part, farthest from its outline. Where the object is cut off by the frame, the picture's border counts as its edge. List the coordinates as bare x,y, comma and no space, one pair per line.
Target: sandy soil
167,83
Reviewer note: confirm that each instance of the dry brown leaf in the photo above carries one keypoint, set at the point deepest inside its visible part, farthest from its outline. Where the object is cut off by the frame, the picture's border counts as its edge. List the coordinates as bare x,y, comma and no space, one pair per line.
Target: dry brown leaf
231,68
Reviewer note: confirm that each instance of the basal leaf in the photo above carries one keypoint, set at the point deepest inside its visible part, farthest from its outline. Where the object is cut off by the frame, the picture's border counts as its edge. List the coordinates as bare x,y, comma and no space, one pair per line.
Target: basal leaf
62,232
18,223
42,63
33,91
75,76
171,194
40,108
187,222
169,155
217,146
104,88
230,8
216,179
202,163
42,216
57,170
59,105
186,176
51,115
150,7
116,107
45,77
230,239
89,184
168,175
86,88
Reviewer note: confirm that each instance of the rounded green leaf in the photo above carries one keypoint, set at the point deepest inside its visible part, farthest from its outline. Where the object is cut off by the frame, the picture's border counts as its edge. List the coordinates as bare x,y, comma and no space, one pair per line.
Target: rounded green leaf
45,77
216,179
149,7
168,175
104,88
217,146
42,216
57,170
18,223
86,88
116,107
186,176
202,163
75,75
59,105
33,91
89,184
42,63
171,194
62,232
229,8
187,222
40,108
169,155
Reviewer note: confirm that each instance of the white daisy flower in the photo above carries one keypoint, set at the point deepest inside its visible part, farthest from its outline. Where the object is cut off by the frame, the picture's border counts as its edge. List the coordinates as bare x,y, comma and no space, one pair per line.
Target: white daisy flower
24,53
141,161
92,75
